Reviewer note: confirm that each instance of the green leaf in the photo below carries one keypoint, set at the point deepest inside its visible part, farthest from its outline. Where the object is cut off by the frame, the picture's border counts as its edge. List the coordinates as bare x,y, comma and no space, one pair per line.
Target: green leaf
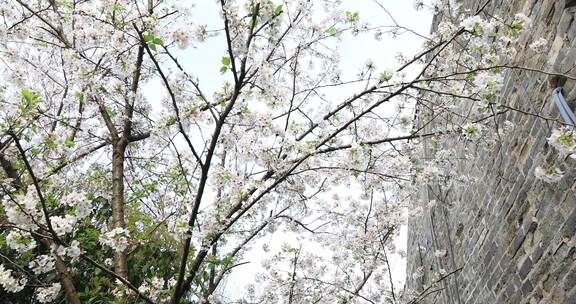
152,46
244,109
79,95
158,41
385,76
26,95
69,142
352,16
331,30
150,187
35,151
148,38
226,61
278,10
110,112
223,70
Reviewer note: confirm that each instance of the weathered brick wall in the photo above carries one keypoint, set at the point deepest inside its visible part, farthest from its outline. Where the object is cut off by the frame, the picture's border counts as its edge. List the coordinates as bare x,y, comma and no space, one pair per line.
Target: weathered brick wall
511,235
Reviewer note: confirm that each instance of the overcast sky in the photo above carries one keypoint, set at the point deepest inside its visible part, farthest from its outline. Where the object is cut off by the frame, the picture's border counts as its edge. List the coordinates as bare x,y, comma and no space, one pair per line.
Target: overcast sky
203,59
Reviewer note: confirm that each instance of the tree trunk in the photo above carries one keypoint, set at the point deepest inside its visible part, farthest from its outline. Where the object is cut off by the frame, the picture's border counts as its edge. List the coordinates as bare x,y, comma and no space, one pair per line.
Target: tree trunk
120,263
66,280
63,275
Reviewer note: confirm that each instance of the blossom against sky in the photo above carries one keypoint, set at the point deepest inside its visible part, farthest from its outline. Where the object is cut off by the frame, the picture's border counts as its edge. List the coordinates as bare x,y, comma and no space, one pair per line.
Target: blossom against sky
380,47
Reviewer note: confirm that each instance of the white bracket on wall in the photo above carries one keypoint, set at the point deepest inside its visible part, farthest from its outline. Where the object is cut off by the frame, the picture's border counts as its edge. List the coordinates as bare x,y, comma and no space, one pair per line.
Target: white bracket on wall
567,115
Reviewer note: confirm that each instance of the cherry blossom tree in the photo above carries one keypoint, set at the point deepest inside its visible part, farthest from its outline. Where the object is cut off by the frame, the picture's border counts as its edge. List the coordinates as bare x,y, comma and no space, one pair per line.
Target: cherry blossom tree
112,196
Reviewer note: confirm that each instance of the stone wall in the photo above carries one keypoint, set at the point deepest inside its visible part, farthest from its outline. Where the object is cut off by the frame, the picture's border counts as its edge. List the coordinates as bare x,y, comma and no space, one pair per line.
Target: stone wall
509,237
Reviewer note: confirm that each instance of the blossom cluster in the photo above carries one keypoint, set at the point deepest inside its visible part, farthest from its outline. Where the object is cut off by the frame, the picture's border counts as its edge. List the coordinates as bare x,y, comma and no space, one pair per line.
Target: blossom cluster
116,238
42,264
20,241
48,294
9,282
564,140
155,288
539,46
548,174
